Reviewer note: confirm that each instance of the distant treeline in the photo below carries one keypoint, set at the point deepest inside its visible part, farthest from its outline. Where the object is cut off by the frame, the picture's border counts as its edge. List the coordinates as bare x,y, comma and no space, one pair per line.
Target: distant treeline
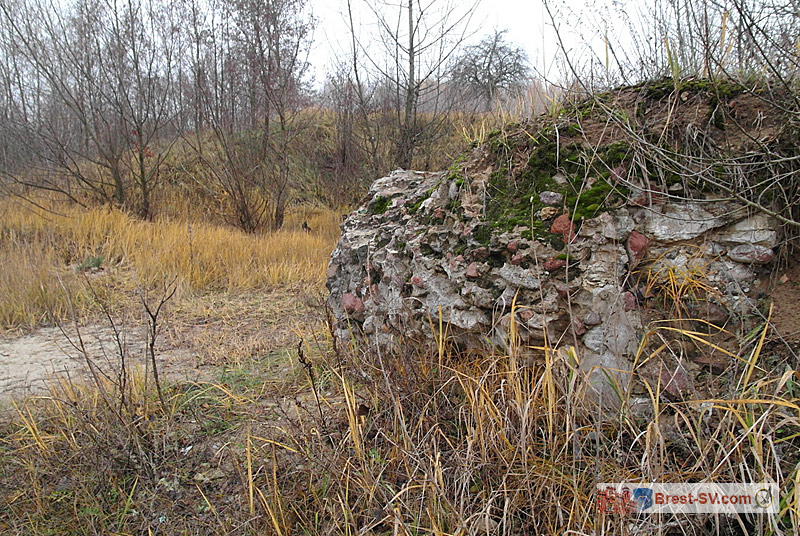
106,102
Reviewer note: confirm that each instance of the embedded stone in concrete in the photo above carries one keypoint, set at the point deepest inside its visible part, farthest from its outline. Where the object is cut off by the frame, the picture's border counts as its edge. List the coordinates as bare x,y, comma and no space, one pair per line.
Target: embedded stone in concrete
751,254
551,198
759,230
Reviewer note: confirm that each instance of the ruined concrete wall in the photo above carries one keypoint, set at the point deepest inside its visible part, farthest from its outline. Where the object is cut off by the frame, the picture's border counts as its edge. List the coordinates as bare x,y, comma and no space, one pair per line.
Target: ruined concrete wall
420,244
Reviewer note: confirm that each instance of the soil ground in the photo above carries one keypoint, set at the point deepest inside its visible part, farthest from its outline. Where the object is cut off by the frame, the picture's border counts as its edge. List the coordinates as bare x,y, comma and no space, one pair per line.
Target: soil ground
28,363
197,338
786,305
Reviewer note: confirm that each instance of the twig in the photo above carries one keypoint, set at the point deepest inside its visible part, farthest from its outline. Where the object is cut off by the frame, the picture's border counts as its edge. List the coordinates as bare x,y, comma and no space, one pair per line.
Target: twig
301,356
169,292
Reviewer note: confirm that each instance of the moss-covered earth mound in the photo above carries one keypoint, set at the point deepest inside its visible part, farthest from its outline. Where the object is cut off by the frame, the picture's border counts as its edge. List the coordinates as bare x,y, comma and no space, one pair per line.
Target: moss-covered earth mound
680,140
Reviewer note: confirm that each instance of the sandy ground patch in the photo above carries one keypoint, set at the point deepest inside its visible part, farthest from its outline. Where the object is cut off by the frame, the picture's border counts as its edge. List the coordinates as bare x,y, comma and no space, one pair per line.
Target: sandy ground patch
195,337
30,362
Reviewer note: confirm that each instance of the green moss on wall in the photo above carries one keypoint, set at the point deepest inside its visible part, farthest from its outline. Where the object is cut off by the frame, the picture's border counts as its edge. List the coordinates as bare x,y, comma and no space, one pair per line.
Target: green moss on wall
616,153
380,205
483,234
513,201
715,89
413,209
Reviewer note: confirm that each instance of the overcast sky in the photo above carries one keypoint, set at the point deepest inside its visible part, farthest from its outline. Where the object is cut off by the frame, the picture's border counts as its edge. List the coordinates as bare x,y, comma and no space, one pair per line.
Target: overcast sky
527,23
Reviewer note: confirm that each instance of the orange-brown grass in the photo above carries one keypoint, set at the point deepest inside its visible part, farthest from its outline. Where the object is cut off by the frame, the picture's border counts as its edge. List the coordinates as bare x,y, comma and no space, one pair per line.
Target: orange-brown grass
425,441
104,459
419,441
24,279
435,443
45,256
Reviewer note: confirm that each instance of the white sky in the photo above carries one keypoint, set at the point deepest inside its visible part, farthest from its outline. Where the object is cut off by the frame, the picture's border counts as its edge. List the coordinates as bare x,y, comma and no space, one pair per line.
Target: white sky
527,23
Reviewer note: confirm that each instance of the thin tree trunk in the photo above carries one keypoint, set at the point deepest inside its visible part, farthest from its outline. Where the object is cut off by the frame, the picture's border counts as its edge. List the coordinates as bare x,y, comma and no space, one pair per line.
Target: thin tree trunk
406,152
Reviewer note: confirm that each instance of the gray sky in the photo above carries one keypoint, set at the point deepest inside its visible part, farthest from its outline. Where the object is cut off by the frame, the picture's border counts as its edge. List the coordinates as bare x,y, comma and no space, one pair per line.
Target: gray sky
526,21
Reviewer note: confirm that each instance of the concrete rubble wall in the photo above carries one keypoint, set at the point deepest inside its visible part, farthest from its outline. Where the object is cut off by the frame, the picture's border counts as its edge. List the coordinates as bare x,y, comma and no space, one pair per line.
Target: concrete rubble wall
419,244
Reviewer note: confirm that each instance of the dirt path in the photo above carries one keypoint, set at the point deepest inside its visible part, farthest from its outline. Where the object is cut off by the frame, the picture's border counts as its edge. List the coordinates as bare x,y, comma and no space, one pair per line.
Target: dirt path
194,339
29,363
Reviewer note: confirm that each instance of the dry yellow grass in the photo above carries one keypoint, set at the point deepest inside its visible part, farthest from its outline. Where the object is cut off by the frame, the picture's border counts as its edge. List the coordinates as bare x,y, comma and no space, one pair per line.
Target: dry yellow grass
425,442
41,252
31,285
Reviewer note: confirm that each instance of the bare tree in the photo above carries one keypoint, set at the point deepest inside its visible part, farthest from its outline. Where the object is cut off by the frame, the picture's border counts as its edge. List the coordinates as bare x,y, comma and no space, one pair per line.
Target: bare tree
249,66
416,43
352,141
98,78
648,40
491,66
